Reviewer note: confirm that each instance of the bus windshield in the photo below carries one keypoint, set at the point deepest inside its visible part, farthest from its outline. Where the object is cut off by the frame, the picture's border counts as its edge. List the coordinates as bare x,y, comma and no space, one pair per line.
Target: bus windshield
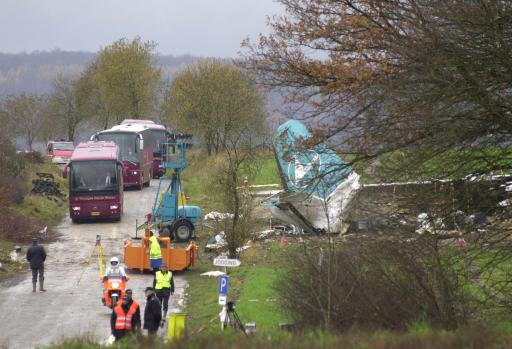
126,142
159,137
94,176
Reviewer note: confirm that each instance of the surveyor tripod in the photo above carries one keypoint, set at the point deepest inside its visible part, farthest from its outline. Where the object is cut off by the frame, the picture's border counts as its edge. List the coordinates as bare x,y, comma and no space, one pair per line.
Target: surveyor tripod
232,318
99,254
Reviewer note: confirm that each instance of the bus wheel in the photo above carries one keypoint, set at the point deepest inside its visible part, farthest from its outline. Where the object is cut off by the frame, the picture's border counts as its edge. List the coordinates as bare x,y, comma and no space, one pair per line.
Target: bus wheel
183,230
165,232
141,181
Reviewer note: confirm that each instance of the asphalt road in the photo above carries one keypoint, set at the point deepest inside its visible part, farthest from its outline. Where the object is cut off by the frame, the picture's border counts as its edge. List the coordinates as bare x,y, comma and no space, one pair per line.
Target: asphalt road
29,320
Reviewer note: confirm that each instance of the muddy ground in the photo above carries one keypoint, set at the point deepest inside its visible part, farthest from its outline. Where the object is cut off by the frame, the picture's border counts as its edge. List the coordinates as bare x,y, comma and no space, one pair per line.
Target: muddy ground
29,320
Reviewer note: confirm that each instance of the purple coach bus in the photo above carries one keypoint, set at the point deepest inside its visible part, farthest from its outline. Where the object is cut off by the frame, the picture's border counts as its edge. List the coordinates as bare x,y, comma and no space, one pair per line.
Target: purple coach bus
158,135
95,181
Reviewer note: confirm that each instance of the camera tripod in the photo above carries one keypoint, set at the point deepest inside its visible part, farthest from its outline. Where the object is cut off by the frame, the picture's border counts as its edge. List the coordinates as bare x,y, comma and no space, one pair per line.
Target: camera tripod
100,256
232,318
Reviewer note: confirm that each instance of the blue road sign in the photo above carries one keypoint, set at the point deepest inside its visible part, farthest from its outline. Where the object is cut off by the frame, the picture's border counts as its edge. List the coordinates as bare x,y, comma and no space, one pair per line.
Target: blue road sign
223,285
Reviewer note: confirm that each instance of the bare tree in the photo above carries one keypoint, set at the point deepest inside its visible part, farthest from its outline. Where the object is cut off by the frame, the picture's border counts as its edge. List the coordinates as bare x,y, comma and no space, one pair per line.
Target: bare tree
215,101
25,117
234,168
64,110
424,77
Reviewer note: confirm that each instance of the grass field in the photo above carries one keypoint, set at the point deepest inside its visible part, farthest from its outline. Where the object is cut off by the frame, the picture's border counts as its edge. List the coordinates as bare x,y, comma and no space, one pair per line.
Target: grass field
251,281
268,173
197,179
251,286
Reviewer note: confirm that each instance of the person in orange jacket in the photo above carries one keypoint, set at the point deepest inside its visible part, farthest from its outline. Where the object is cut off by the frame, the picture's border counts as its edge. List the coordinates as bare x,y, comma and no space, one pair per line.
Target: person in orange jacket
125,318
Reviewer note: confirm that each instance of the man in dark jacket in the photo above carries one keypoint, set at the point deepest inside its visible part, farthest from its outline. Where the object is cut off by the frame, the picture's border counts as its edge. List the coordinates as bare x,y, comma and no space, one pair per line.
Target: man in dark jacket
152,312
36,255
125,318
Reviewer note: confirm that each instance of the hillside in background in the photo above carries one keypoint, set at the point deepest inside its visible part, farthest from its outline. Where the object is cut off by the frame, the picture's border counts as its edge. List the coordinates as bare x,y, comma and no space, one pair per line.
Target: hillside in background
34,72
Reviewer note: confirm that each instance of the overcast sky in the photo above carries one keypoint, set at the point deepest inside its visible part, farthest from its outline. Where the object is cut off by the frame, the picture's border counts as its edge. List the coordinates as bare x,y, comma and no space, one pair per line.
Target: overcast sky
197,27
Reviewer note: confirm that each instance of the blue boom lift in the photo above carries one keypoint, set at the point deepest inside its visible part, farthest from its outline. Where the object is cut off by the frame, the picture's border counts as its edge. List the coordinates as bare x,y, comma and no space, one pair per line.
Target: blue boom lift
170,213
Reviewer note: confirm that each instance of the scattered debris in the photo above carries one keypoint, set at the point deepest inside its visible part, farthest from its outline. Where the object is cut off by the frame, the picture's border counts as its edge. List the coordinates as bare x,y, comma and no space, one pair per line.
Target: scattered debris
109,341
264,235
479,218
45,185
219,241
216,242
504,203
244,247
250,327
273,185
217,216
427,224
265,193
214,273
289,229
43,233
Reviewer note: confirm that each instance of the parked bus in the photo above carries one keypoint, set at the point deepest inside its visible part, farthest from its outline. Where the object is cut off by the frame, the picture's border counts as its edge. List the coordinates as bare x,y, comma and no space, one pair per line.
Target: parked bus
95,181
59,152
136,153
158,136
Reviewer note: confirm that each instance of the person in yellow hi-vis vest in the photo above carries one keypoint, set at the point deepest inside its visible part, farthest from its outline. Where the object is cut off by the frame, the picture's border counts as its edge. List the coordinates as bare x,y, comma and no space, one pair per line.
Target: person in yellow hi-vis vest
164,288
155,253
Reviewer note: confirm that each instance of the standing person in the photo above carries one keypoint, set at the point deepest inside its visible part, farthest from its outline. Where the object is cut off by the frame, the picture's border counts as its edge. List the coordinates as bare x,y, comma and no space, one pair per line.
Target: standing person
129,293
164,287
36,255
155,253
152,312
125,318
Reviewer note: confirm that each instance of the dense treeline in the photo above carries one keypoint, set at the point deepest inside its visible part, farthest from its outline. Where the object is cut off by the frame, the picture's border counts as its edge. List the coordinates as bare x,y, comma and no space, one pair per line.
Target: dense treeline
121,81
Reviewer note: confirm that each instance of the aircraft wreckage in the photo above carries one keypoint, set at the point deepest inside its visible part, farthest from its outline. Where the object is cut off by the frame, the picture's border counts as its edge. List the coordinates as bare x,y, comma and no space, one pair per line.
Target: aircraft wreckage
322,194
318,184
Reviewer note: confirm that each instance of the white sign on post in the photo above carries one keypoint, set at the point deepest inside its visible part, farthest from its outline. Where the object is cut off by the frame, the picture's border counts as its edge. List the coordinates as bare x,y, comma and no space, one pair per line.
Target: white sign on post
224,262
222,299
